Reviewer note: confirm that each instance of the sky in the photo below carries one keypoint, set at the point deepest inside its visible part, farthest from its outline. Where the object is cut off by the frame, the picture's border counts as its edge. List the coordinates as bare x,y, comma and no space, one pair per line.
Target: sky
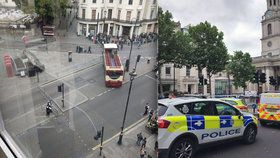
239,20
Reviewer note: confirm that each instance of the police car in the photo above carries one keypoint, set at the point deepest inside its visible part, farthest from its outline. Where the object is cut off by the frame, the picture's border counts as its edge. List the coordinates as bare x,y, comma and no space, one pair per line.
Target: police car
185,124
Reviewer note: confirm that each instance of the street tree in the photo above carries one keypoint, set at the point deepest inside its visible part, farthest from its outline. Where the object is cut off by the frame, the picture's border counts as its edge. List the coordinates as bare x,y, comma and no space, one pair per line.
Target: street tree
208,49
45,8
166,31
241,68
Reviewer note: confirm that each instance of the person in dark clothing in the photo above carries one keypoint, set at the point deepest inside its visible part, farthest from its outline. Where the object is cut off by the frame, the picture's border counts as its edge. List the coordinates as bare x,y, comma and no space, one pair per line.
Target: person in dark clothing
48,108
150,114
89,49
143,142
139,138
146,109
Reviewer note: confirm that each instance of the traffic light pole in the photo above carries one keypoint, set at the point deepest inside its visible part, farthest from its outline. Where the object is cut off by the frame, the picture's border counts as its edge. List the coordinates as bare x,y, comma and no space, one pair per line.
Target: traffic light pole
62,90
101,147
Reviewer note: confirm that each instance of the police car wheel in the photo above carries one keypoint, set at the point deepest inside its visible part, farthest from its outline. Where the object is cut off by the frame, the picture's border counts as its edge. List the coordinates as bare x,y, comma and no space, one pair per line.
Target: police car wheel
183,148
250,134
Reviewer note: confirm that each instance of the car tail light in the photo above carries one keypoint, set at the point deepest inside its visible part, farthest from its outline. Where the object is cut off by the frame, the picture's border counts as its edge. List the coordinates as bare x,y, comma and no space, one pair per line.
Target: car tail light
163,123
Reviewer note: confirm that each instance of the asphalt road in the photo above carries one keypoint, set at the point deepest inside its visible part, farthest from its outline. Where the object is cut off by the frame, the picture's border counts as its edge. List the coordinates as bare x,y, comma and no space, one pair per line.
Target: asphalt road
266,146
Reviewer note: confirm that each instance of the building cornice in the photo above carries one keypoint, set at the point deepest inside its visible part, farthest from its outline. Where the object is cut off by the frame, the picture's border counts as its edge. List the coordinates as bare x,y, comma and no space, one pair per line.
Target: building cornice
270,36
118,20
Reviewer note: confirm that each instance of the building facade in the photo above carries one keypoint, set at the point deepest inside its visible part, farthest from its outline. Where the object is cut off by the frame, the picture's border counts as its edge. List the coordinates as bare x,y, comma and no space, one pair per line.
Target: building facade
7,3
269,61
116,17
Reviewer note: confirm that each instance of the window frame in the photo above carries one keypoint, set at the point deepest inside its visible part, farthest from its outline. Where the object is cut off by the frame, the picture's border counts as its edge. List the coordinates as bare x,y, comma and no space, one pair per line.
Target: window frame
216,110
169,69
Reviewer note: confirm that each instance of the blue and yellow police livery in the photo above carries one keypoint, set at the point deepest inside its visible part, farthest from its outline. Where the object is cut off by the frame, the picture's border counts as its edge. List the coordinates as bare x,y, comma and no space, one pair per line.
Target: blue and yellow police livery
186,123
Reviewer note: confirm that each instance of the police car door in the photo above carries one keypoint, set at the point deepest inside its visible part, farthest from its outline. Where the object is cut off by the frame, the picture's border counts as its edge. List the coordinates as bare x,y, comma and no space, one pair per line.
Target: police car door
230,121
203,122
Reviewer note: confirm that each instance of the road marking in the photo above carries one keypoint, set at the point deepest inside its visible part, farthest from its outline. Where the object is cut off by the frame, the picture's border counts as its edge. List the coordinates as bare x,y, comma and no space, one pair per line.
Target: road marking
87,117
116,135
150,77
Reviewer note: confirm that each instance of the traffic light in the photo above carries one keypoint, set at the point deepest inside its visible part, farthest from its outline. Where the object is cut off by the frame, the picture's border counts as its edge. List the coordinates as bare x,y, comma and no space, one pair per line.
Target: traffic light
205,81
256,78
201,80
272,81
263,78
59,88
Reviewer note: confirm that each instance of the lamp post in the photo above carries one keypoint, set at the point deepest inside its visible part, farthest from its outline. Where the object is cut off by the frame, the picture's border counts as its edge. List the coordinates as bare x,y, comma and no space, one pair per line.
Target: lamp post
132,76
131,44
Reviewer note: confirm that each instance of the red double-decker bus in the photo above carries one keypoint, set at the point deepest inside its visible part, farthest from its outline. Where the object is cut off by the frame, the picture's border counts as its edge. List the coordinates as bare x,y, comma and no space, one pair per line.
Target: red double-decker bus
48,30
114,72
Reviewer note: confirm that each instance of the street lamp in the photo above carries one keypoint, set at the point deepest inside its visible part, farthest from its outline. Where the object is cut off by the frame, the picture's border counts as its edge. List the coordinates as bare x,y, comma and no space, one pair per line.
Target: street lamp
132,76
131,44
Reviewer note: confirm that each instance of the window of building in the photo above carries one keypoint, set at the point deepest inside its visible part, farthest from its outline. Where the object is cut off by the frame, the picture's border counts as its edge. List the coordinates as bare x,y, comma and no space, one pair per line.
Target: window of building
168,70
84,1
274,2
93,14
6,1
120,1
188,71
84,13
140,2
154,2
119,14
269,29
152,13
110,13
102,1
130,2
101,13
138,15
93,1
110,1
128,15
270,3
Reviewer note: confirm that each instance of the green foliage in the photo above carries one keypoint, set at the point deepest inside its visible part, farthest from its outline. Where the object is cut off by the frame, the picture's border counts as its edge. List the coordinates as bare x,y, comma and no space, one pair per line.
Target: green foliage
166,33
45,8
241,68
208,48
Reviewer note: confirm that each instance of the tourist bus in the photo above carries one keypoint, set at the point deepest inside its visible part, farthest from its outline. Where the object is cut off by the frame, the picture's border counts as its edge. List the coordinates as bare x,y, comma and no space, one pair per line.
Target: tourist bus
114,72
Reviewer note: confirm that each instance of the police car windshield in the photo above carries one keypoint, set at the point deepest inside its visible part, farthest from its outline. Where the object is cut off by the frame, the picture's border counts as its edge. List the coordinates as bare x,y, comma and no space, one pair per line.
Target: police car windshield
161,109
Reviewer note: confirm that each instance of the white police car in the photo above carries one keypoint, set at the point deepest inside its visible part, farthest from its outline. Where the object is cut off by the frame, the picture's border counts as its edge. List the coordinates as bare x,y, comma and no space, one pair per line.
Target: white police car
185,124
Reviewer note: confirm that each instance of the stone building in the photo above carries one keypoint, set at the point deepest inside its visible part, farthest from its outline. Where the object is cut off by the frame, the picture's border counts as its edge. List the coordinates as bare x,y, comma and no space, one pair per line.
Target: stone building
269,61
116,17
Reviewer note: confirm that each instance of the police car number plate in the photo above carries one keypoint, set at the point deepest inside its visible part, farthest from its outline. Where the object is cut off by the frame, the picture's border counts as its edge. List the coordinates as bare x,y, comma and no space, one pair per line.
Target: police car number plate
271,110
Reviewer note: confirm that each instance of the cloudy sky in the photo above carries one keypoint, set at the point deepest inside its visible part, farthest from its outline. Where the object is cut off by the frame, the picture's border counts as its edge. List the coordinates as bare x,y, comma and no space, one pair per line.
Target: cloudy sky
238,19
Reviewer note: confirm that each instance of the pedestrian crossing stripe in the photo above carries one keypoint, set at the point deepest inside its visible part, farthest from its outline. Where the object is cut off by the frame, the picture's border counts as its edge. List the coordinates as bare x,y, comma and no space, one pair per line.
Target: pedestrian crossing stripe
226,121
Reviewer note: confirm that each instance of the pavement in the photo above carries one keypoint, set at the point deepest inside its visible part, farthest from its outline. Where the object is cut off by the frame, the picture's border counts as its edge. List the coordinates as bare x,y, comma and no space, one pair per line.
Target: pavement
128,148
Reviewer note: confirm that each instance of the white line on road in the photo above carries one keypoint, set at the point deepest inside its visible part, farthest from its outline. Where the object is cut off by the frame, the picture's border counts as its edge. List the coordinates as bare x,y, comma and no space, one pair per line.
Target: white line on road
150,77
87,117
100,94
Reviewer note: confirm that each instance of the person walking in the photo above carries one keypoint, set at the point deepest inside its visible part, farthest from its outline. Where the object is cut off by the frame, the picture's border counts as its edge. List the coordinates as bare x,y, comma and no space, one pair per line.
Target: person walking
142,152
139,138
156,146
150,114
89,49
146,109
143,142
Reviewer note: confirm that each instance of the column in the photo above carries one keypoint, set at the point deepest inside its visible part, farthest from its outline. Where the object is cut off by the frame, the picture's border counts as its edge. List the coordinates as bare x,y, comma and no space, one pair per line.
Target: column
78,28
131,31
269,71
120,30
108,29
87,30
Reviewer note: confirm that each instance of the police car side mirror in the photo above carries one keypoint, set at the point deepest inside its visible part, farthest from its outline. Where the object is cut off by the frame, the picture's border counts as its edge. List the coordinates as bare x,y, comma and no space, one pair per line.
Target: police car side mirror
240,116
